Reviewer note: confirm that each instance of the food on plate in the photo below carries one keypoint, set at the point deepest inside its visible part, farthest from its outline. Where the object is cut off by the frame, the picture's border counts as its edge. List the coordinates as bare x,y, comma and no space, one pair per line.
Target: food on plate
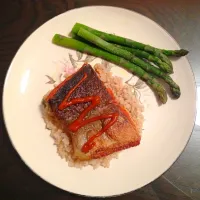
92,115
85,48
132,55
88,36
161,53
129,56
145,55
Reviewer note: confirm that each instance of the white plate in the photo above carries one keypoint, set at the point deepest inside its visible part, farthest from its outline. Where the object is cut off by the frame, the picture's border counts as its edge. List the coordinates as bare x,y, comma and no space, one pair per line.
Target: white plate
167,128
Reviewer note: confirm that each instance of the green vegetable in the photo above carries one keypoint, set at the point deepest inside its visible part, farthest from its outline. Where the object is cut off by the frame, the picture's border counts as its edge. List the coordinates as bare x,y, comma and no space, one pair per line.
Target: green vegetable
176,53
124,41
143,54
82,47
129,56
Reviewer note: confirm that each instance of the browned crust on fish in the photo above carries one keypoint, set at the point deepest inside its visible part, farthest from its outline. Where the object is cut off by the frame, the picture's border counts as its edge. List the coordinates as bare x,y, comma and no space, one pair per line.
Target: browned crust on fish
122,135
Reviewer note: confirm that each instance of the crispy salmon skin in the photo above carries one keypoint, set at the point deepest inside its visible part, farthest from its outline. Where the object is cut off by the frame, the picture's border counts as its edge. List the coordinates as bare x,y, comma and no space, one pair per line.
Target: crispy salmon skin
85,83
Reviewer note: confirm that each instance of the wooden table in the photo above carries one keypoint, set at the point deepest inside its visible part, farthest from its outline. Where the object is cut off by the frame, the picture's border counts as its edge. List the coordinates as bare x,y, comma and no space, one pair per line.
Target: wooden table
19,18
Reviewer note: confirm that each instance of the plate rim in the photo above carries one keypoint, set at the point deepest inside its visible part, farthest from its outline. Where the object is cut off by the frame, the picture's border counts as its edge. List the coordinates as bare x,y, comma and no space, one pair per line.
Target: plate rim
10,69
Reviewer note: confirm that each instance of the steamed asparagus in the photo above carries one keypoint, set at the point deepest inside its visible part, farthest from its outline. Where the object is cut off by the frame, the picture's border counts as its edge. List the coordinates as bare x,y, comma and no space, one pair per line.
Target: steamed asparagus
143,54
131,57
124,41
80,46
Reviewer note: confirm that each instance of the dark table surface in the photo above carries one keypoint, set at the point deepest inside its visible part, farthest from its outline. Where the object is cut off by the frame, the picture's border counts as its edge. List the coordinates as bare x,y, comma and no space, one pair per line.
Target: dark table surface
19,18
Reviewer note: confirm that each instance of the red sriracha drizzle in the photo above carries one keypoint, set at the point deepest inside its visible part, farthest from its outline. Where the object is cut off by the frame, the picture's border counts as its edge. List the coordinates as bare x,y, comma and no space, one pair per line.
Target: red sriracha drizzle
81,121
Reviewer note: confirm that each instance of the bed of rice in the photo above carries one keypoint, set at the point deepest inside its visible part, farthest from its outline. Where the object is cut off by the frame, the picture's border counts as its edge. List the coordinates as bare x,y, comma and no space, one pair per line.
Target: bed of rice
124,95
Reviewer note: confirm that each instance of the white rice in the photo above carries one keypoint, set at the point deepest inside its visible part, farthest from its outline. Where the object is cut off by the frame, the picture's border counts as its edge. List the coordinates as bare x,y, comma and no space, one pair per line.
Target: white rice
123,93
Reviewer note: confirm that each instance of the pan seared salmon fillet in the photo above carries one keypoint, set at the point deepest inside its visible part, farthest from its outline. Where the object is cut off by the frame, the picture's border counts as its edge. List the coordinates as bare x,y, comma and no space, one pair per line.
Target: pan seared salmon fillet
89,114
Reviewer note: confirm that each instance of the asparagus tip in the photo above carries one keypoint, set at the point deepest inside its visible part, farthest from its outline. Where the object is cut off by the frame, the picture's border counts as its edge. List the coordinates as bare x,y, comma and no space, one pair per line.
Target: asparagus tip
162,96
183,52
164,99
176,92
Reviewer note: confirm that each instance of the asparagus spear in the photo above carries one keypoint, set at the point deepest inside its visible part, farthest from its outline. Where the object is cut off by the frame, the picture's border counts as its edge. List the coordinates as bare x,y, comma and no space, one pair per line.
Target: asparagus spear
129,56
143,54
176,53
156,60
82,47
124,41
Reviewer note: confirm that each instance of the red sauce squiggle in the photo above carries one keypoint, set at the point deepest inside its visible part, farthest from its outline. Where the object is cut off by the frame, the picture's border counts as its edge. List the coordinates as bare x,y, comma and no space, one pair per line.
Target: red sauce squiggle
81,121
53,92
90,143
